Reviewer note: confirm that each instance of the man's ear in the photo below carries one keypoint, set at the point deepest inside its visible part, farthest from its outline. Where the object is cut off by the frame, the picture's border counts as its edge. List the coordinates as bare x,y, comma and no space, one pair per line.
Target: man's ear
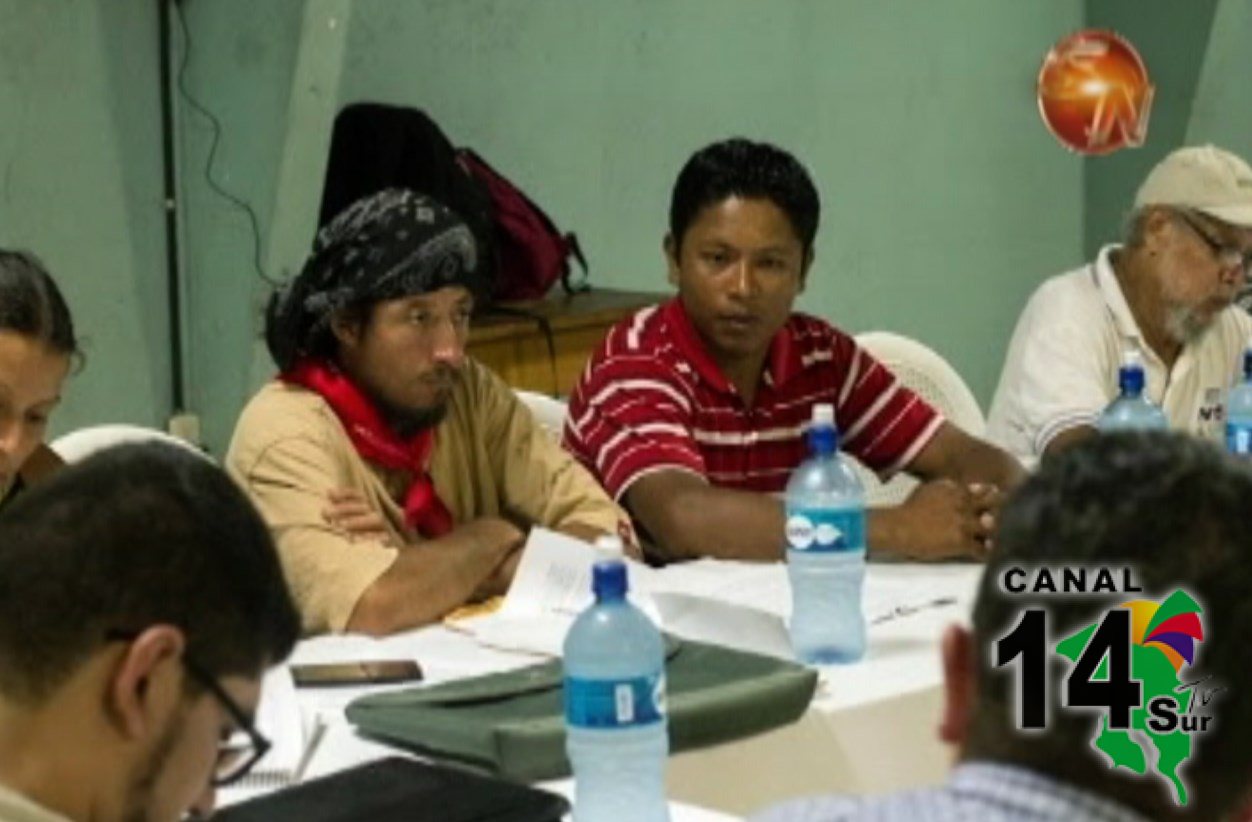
346,328
147,680
670,248
960,684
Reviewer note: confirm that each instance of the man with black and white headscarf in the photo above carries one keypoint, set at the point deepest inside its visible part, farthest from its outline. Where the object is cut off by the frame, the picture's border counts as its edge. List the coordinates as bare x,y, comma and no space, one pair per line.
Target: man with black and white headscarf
399,476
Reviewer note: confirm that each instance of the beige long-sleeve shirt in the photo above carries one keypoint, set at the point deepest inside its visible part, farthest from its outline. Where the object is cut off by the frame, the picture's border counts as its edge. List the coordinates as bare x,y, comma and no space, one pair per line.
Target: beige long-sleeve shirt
490,459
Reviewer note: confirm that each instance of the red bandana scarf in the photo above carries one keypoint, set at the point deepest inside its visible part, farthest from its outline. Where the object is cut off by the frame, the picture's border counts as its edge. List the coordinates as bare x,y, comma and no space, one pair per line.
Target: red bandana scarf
375,441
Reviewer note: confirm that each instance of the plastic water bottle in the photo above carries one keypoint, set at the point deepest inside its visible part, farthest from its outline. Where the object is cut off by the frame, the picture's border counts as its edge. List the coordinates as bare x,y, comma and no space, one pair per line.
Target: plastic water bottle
1239,411
1132,411
616,732
825,507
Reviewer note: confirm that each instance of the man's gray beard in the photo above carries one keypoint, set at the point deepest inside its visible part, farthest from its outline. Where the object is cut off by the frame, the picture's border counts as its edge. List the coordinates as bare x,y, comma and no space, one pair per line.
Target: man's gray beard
1182,324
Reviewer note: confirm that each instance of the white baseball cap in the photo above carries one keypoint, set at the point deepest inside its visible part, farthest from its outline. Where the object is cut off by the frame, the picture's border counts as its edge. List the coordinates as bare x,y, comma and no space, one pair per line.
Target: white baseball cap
1204,178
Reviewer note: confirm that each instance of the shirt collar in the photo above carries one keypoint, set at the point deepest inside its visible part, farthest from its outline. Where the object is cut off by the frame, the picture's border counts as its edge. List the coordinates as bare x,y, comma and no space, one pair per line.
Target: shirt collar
782,363
1114,298
998,780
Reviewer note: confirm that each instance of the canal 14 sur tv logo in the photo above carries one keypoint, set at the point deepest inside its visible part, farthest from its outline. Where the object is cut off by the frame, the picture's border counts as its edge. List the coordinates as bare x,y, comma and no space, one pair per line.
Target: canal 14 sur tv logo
1128,668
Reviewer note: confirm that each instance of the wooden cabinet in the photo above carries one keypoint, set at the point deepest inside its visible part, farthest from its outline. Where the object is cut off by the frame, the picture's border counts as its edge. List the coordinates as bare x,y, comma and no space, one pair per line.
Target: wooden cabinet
542,345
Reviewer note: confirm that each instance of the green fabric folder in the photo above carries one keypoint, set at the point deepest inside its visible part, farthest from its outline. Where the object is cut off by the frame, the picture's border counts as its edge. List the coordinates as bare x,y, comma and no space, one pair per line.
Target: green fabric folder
512,723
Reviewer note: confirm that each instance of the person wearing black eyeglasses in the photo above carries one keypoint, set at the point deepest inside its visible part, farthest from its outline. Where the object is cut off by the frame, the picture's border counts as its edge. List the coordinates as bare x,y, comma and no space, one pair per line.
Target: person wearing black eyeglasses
141,600
1167,292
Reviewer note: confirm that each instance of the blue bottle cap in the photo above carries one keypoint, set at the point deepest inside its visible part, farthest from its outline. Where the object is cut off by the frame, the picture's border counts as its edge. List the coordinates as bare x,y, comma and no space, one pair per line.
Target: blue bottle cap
1130,376
608,580
823,435
1130,380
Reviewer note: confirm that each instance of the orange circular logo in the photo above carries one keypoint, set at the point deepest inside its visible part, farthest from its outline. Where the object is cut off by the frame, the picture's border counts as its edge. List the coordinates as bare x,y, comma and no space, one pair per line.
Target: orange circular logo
1094,94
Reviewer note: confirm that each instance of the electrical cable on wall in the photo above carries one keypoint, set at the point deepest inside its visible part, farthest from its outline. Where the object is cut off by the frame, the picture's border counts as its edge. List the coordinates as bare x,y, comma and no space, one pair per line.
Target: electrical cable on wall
179,387
216,126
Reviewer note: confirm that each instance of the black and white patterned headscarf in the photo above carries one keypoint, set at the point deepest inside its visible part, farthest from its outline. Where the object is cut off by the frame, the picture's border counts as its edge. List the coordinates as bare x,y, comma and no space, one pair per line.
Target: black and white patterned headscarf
383,247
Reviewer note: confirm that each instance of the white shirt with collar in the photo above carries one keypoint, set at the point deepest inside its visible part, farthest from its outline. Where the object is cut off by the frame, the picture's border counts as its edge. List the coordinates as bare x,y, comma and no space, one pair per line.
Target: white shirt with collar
16,808
1061,368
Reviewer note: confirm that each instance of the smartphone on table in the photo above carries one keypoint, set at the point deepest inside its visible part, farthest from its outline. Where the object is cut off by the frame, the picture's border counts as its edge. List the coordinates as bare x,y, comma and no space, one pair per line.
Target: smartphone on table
359,672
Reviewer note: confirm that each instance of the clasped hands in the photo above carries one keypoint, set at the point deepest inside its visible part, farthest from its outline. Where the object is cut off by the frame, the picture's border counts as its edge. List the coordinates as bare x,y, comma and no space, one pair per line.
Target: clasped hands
944,519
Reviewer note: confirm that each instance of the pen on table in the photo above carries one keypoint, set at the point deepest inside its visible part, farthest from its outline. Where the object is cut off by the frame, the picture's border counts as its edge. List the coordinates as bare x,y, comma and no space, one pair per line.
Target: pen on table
310,749
908,610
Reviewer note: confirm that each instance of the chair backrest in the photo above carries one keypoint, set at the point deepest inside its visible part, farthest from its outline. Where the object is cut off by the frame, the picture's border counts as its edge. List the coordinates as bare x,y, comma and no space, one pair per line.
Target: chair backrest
78,445
934,380
549,413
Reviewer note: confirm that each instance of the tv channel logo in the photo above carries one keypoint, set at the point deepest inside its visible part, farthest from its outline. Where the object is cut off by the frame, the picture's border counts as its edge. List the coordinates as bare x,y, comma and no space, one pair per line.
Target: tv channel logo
1127,667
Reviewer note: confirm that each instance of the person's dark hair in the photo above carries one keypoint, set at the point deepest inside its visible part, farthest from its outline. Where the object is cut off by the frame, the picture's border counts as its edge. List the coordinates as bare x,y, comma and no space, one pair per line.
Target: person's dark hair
291,336
1175,509
743,168
135,536
32,305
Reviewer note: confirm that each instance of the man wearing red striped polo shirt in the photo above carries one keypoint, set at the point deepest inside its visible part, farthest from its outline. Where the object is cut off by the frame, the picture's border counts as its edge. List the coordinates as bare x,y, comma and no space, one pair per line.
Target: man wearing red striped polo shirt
693,413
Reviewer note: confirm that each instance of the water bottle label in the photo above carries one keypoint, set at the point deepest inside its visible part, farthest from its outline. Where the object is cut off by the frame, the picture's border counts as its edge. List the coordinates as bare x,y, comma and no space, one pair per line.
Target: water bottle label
614,703
826,531
1239,438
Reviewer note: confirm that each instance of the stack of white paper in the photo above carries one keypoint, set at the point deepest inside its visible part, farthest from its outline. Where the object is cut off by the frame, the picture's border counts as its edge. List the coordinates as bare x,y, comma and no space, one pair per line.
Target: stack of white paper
742,605
552,586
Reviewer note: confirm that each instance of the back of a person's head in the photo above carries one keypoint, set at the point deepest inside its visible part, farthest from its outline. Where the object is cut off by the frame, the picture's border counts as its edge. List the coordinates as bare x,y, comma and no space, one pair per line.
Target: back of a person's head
750,170
1175,511
135,536
32,305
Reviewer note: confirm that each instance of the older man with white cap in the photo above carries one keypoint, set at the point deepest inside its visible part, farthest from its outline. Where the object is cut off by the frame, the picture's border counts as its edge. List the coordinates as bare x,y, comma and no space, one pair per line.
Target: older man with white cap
1167,293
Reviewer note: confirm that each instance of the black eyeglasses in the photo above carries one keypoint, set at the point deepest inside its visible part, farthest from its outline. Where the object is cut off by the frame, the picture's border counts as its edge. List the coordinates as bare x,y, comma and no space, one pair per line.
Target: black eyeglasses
241,750
1228,255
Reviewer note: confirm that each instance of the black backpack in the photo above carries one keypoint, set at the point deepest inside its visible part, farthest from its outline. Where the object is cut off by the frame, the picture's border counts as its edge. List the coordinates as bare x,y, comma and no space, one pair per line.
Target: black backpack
375,146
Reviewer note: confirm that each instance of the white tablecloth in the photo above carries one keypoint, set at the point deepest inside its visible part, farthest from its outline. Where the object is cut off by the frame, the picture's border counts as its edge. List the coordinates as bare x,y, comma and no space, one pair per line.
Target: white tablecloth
871,726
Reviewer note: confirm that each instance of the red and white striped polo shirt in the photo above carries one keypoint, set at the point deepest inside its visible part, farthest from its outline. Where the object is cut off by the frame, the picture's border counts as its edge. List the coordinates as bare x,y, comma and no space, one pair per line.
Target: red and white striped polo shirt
651,398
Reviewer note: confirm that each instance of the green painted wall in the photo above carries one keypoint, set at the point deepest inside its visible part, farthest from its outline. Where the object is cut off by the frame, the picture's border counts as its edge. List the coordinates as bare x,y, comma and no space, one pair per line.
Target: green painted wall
946,201
81,186
1222,110
242,67
1174,41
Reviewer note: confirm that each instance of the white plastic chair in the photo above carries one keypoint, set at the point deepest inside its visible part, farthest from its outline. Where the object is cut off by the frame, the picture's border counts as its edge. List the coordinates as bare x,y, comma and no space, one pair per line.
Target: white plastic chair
78,445
549,413
931,378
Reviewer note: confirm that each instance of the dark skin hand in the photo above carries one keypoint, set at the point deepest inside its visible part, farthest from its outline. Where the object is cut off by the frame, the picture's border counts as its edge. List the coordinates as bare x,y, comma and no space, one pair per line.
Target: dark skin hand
429,579
349,511
947,517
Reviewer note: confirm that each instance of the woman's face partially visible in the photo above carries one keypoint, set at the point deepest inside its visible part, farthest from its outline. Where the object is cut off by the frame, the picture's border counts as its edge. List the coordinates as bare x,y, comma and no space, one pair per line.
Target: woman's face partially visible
31,375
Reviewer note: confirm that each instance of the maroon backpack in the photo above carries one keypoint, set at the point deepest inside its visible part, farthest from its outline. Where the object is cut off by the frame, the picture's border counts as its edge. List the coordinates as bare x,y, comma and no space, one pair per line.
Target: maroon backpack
531,252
